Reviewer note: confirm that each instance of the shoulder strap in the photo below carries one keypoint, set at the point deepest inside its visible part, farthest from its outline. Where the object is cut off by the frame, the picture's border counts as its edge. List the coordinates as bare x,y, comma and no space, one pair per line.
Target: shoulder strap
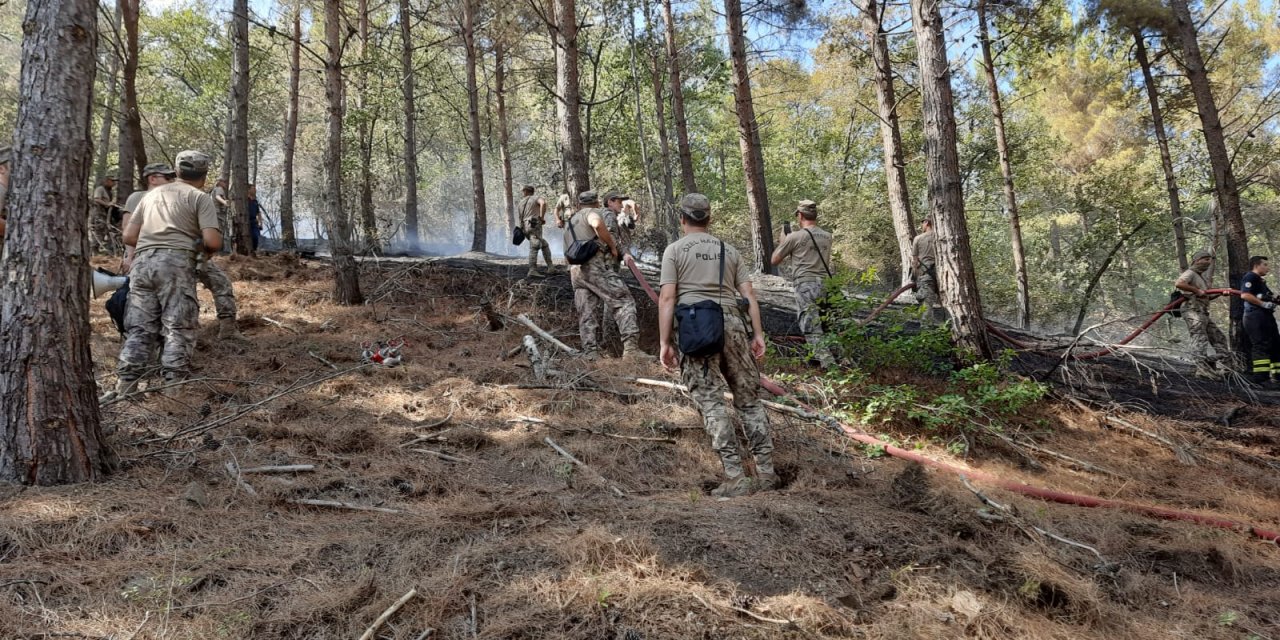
570,224
815,248
721,285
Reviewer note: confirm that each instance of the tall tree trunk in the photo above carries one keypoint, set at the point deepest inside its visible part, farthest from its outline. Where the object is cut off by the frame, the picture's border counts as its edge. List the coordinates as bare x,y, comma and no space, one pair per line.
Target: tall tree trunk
569,97
687,180
108,109
479,230
749,139
956,279
346,273
504,135
644,144
288,235
368,219
1225,186
670,216
895,165
1006,171
1162,139
410,127
49,419
238,187
132,151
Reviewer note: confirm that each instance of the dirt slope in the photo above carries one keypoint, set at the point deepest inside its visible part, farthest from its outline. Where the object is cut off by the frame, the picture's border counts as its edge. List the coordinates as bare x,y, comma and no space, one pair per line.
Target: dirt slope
507,539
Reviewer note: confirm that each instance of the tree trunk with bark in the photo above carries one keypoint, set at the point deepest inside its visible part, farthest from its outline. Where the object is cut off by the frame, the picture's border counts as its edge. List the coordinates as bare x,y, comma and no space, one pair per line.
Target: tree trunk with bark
644,144
670,217
1162,140
368,219
687,179
346,273
1006,171
238,187
1226,189
479,230
132,152
410,127
49,418
108,109
504,134
569,97
895,165
956,280
749,139
288,234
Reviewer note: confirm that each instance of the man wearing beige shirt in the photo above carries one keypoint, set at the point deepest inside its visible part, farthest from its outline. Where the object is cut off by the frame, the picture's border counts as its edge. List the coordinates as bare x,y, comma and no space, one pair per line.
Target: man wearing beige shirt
171,223
810,251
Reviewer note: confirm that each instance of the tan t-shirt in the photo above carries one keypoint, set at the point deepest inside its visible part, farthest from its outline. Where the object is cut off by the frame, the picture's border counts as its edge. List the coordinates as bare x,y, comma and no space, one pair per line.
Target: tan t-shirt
578,223
808,263
692,263
1197,280
529,210
132,202
173,215
924,247
101,193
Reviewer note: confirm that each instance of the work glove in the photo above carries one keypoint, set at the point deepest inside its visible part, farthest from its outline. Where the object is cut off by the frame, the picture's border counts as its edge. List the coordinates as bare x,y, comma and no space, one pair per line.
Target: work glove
1270,306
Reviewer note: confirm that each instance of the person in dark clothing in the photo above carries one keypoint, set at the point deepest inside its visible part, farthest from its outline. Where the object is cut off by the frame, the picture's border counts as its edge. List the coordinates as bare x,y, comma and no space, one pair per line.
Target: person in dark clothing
1260,320
254,211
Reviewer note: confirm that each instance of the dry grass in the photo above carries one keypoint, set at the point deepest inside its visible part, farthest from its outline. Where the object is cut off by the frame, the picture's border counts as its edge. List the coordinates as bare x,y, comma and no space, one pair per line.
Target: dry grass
516,543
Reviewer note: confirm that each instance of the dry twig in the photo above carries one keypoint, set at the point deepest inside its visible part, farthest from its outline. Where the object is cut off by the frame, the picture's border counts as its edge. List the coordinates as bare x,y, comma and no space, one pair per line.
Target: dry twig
279,324
341,505
582,465
386,615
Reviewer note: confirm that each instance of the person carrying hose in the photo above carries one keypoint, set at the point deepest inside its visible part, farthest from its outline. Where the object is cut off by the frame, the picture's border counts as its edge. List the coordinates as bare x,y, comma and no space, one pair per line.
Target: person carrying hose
1260,321
1208,343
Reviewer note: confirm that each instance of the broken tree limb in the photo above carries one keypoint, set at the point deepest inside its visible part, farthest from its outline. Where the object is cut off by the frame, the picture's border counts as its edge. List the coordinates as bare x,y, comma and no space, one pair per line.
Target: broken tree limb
541,333
536,360
386,615
1087,466
341,505
235,472
582,465
321,359
443,456
284,468
278,324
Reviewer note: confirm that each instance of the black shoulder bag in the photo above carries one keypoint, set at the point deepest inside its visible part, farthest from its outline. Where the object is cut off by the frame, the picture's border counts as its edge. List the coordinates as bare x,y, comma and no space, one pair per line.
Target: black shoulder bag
702,323
580,251
517,235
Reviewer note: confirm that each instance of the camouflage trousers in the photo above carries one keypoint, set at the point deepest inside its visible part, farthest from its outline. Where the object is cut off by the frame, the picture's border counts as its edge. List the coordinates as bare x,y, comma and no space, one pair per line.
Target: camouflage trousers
927,293
596,283
732,370
1205,334
807,295
209,274
162,302
103,237
533,233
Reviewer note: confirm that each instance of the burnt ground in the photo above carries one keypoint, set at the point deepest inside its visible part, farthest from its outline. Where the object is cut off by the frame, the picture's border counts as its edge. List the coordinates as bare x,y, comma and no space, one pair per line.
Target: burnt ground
507,539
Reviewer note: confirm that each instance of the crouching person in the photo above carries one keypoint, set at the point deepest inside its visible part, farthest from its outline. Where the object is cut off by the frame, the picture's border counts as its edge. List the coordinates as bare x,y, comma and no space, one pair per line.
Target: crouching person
702,277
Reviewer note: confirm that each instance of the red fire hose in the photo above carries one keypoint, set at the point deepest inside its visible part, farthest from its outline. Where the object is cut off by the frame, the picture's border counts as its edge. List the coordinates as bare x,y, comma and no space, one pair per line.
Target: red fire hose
1013,485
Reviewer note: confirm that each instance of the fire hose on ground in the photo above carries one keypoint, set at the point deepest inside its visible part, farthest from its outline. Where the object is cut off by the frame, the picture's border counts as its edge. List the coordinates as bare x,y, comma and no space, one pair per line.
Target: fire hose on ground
1021,488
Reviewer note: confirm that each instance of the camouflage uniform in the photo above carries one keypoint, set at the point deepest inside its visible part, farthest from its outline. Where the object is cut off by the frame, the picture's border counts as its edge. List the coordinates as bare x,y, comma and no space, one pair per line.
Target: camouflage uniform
733,370
594,283
924,248
1204,332
809,249
216,281
103,236
807,295
532,219
162,297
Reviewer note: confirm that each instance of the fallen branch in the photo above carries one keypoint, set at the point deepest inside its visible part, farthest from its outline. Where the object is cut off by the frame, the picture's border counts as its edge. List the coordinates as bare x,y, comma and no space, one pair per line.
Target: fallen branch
279,324
341,505
524,320
535,358
386,615
582,465
235,472
1179,452
1087,466
1052,536
437,422
321,359
284,468
443,456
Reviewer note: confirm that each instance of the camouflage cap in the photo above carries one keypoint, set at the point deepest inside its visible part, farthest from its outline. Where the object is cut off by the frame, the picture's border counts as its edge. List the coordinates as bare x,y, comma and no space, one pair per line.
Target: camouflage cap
1203,253
616,195
193,161
695,206
6,154
588,197
807,207
161,168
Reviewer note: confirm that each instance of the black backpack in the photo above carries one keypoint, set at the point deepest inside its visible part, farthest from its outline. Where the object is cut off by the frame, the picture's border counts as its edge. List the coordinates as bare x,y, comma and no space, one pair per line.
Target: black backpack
580,251
702,323
517,235
116,305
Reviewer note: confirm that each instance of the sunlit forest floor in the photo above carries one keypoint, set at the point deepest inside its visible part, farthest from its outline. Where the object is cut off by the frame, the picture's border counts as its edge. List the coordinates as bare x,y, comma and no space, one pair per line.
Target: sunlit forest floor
502,537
